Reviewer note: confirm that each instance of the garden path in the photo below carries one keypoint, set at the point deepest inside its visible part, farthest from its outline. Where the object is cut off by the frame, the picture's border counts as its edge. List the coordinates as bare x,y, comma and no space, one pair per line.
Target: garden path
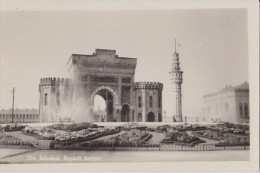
25,138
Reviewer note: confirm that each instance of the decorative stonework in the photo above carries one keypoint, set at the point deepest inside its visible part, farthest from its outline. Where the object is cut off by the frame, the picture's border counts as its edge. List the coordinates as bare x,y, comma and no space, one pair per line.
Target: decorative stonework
104,79
106,74
148,85
126,80
125,96
115,95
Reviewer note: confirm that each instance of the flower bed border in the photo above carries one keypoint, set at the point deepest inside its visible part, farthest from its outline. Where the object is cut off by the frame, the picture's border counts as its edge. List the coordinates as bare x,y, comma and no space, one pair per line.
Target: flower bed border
230,145
198,135
72,141
74,130
147,138
33,135
87,138
221,144
184,144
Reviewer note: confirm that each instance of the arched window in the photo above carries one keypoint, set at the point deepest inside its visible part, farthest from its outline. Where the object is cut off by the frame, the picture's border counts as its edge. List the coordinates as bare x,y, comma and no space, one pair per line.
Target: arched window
151,101
45,99
139,101
246,109
226,107
241,110
150,117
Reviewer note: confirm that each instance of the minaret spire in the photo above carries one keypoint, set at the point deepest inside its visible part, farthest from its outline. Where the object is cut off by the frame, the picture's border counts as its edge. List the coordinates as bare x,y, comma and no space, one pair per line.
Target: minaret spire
176,77
175,45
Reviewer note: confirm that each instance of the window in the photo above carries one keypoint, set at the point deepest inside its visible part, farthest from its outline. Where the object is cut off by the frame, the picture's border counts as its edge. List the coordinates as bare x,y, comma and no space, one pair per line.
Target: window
246,110
126,80
45,99
151,101
139,101
241,110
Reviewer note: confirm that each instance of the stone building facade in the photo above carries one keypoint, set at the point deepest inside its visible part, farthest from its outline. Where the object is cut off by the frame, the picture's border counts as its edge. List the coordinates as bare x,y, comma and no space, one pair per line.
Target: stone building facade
19,116
55,99
148,101
228,104
106,74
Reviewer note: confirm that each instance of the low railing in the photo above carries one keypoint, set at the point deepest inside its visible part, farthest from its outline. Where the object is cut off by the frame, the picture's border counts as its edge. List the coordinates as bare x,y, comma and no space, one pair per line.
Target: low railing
92,145
145,147
201,147
15,144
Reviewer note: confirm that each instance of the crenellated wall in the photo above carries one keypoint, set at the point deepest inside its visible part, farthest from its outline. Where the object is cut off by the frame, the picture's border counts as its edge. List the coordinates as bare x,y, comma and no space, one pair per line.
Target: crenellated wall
148,85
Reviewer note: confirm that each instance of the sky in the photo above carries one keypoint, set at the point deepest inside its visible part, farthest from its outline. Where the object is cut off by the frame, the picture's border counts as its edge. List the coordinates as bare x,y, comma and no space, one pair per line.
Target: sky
213,49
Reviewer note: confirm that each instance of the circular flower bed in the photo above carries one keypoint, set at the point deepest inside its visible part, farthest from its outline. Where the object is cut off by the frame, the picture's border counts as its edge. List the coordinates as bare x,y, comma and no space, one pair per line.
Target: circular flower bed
181,137
13,127
130,126
230,128
132,137
57,135
73,127
227,139
163,128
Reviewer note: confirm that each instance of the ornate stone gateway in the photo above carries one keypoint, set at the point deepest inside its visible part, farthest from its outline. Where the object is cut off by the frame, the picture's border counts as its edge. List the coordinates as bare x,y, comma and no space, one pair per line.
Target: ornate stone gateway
107,75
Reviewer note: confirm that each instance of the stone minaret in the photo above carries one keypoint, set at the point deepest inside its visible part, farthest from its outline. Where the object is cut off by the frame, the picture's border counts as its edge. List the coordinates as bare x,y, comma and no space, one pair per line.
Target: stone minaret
176,77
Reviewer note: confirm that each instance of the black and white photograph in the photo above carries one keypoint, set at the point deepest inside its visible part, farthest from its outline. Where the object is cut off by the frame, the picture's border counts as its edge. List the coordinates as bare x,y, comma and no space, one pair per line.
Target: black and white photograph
99,83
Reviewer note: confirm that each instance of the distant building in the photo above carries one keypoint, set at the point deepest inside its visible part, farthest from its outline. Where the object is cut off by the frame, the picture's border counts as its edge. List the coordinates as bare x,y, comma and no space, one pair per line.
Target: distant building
19,116
228,104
